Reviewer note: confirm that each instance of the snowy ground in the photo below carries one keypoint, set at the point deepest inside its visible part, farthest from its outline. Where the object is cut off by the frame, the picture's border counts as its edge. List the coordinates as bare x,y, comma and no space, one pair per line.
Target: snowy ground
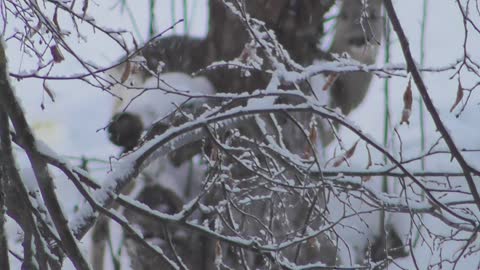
72,124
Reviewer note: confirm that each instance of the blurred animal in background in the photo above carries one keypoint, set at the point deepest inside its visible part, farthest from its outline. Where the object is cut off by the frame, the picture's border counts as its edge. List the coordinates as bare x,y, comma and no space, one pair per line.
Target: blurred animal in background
169,182
151,97
143,101
358,32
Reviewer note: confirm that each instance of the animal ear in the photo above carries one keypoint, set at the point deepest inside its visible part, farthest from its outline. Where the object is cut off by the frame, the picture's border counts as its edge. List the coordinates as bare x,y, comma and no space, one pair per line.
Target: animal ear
125,130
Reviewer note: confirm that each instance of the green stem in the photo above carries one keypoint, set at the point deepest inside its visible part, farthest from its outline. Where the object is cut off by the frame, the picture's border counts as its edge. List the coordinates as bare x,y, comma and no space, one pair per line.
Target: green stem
422,62
192,13
152,28
386,119
420,101
173,12
185,17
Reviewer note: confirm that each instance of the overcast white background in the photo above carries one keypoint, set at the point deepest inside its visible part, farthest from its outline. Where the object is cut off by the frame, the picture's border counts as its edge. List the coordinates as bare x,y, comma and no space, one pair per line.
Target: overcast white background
69,125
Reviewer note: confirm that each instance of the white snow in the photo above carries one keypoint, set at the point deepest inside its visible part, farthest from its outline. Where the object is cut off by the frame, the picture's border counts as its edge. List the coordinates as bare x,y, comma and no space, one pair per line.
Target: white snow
69,124
158,97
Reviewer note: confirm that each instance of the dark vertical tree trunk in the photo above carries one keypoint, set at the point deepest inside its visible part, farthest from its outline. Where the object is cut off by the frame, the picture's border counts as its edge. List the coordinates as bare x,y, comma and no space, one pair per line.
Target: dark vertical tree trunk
298,26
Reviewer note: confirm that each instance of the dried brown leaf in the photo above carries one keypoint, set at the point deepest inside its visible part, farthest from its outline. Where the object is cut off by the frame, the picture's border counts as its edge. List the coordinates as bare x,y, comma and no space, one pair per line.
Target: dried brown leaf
312,137
36,29
55,18
126,72
351,151
48,91
346,156
339,161
313,134
407,104
459,97
406,116
218,249
370,163
330,81
56,53
214,154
